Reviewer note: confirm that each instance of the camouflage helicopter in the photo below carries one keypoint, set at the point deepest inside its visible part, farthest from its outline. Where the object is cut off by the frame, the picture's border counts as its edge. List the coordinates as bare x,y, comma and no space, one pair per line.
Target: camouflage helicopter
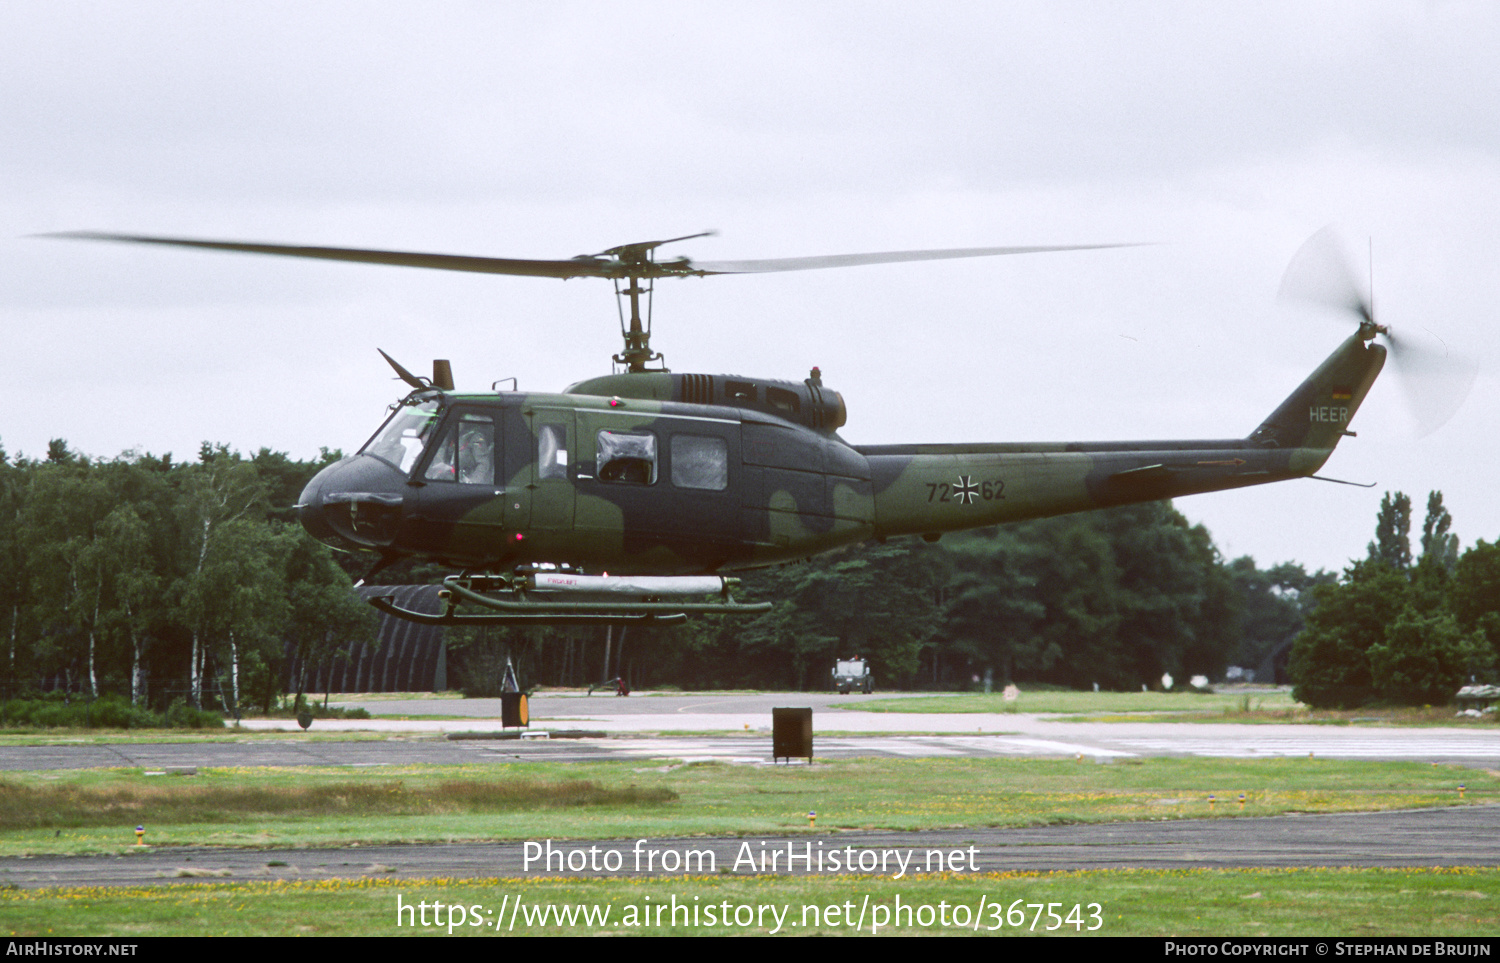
627,497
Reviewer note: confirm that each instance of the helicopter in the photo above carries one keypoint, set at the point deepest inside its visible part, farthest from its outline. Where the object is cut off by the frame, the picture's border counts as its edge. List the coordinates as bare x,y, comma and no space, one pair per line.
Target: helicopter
634,496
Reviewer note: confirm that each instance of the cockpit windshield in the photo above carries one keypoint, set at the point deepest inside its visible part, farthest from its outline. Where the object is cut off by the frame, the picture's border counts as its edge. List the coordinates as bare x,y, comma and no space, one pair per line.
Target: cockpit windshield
402,438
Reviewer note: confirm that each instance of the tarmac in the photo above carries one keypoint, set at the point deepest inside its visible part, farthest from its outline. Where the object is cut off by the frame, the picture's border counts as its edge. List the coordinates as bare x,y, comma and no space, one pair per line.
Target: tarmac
696,725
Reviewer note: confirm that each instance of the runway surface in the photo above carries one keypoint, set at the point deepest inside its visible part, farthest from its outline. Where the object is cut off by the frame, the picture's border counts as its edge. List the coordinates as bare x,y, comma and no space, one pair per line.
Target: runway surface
736,728
1460,836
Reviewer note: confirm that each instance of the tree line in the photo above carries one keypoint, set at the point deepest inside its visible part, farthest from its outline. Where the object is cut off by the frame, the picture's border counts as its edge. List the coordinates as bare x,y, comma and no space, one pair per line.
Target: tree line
165,580
1399,629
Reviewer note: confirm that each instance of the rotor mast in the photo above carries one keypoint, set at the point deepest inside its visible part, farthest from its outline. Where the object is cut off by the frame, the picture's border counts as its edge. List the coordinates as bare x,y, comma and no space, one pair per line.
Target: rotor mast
637,353
638,262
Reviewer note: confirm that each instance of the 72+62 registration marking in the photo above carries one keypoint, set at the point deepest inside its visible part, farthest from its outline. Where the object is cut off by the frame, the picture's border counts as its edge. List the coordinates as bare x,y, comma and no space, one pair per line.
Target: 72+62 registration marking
966,491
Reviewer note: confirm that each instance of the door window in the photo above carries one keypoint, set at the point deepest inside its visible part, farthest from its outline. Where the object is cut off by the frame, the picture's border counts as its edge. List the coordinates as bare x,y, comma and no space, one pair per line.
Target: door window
627,457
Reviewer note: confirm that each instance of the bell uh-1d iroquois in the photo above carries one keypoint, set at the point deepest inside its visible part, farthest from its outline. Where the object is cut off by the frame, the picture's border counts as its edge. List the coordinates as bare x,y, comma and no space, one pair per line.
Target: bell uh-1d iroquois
627,497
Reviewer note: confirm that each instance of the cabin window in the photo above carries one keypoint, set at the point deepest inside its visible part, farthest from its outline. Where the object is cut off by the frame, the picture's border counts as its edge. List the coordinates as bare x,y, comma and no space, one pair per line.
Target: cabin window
551,451
700,461
465,452
627,457
402,438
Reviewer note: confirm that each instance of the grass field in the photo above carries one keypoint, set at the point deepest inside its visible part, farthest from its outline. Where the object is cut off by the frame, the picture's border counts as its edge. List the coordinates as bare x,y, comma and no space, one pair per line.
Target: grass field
1091,703
1236,705
1280,902
96,811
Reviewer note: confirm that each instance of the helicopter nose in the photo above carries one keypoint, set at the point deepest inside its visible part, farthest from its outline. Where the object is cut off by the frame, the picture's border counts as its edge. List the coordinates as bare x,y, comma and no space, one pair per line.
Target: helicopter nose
357,499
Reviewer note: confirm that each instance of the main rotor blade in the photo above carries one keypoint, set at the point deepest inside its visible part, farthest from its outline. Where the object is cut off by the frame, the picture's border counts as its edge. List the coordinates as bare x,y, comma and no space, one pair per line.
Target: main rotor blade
571,268
880,257
583,266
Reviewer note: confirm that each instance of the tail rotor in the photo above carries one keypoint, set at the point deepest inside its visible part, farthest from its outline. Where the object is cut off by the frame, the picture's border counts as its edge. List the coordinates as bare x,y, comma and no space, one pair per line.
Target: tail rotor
1434,379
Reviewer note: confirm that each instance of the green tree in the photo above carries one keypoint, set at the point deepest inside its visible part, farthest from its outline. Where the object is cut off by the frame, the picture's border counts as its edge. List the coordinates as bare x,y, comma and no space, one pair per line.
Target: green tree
1273,606
1178,610
1474,595
1398,634
13,481
1423,659
1077,585
1392,543
878,601
236,599
993,615
1439,546
325,616
220,489
1330,662
66,500
123,547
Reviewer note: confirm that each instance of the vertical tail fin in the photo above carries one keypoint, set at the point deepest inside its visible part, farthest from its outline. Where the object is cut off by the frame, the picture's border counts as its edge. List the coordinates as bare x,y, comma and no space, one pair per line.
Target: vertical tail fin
1317,414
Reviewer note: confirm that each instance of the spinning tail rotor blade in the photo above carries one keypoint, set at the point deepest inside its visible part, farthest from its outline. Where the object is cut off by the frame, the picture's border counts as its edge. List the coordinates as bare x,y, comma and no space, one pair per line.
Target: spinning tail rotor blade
1319,274
1434,380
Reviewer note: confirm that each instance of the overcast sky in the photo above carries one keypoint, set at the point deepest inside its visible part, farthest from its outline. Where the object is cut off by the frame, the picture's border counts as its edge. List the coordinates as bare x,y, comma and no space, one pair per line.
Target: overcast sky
1227,136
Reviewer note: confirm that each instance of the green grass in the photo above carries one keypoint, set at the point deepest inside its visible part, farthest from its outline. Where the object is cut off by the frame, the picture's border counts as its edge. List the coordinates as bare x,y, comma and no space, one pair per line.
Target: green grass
1065,701
1453,903
116,737
94,811
175,800
338,698
1252,706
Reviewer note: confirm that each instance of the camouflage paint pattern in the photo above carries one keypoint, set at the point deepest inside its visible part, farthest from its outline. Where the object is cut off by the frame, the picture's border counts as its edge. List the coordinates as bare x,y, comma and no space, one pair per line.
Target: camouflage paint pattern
780,485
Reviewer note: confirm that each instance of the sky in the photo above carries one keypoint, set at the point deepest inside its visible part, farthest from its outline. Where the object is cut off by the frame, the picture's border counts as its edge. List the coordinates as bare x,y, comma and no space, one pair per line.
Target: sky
1219,136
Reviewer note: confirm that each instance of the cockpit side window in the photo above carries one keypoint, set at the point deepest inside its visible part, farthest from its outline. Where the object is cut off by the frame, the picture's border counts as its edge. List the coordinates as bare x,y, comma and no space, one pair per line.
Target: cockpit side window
551,451
464,452
627,457
404,435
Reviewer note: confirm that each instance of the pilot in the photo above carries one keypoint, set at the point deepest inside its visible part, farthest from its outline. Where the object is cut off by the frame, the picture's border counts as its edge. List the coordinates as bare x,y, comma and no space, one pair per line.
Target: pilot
476,456
632,471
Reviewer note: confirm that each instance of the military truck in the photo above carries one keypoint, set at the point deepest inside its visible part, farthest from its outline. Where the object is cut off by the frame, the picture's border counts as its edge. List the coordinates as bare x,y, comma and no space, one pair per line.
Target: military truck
851,674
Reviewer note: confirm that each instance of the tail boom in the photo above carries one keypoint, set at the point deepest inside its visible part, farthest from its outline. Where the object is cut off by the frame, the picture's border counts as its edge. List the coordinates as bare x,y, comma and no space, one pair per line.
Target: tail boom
931,489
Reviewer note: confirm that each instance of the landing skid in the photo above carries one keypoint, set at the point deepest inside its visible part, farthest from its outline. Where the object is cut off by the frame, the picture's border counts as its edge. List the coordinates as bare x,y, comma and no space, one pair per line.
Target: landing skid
542,599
